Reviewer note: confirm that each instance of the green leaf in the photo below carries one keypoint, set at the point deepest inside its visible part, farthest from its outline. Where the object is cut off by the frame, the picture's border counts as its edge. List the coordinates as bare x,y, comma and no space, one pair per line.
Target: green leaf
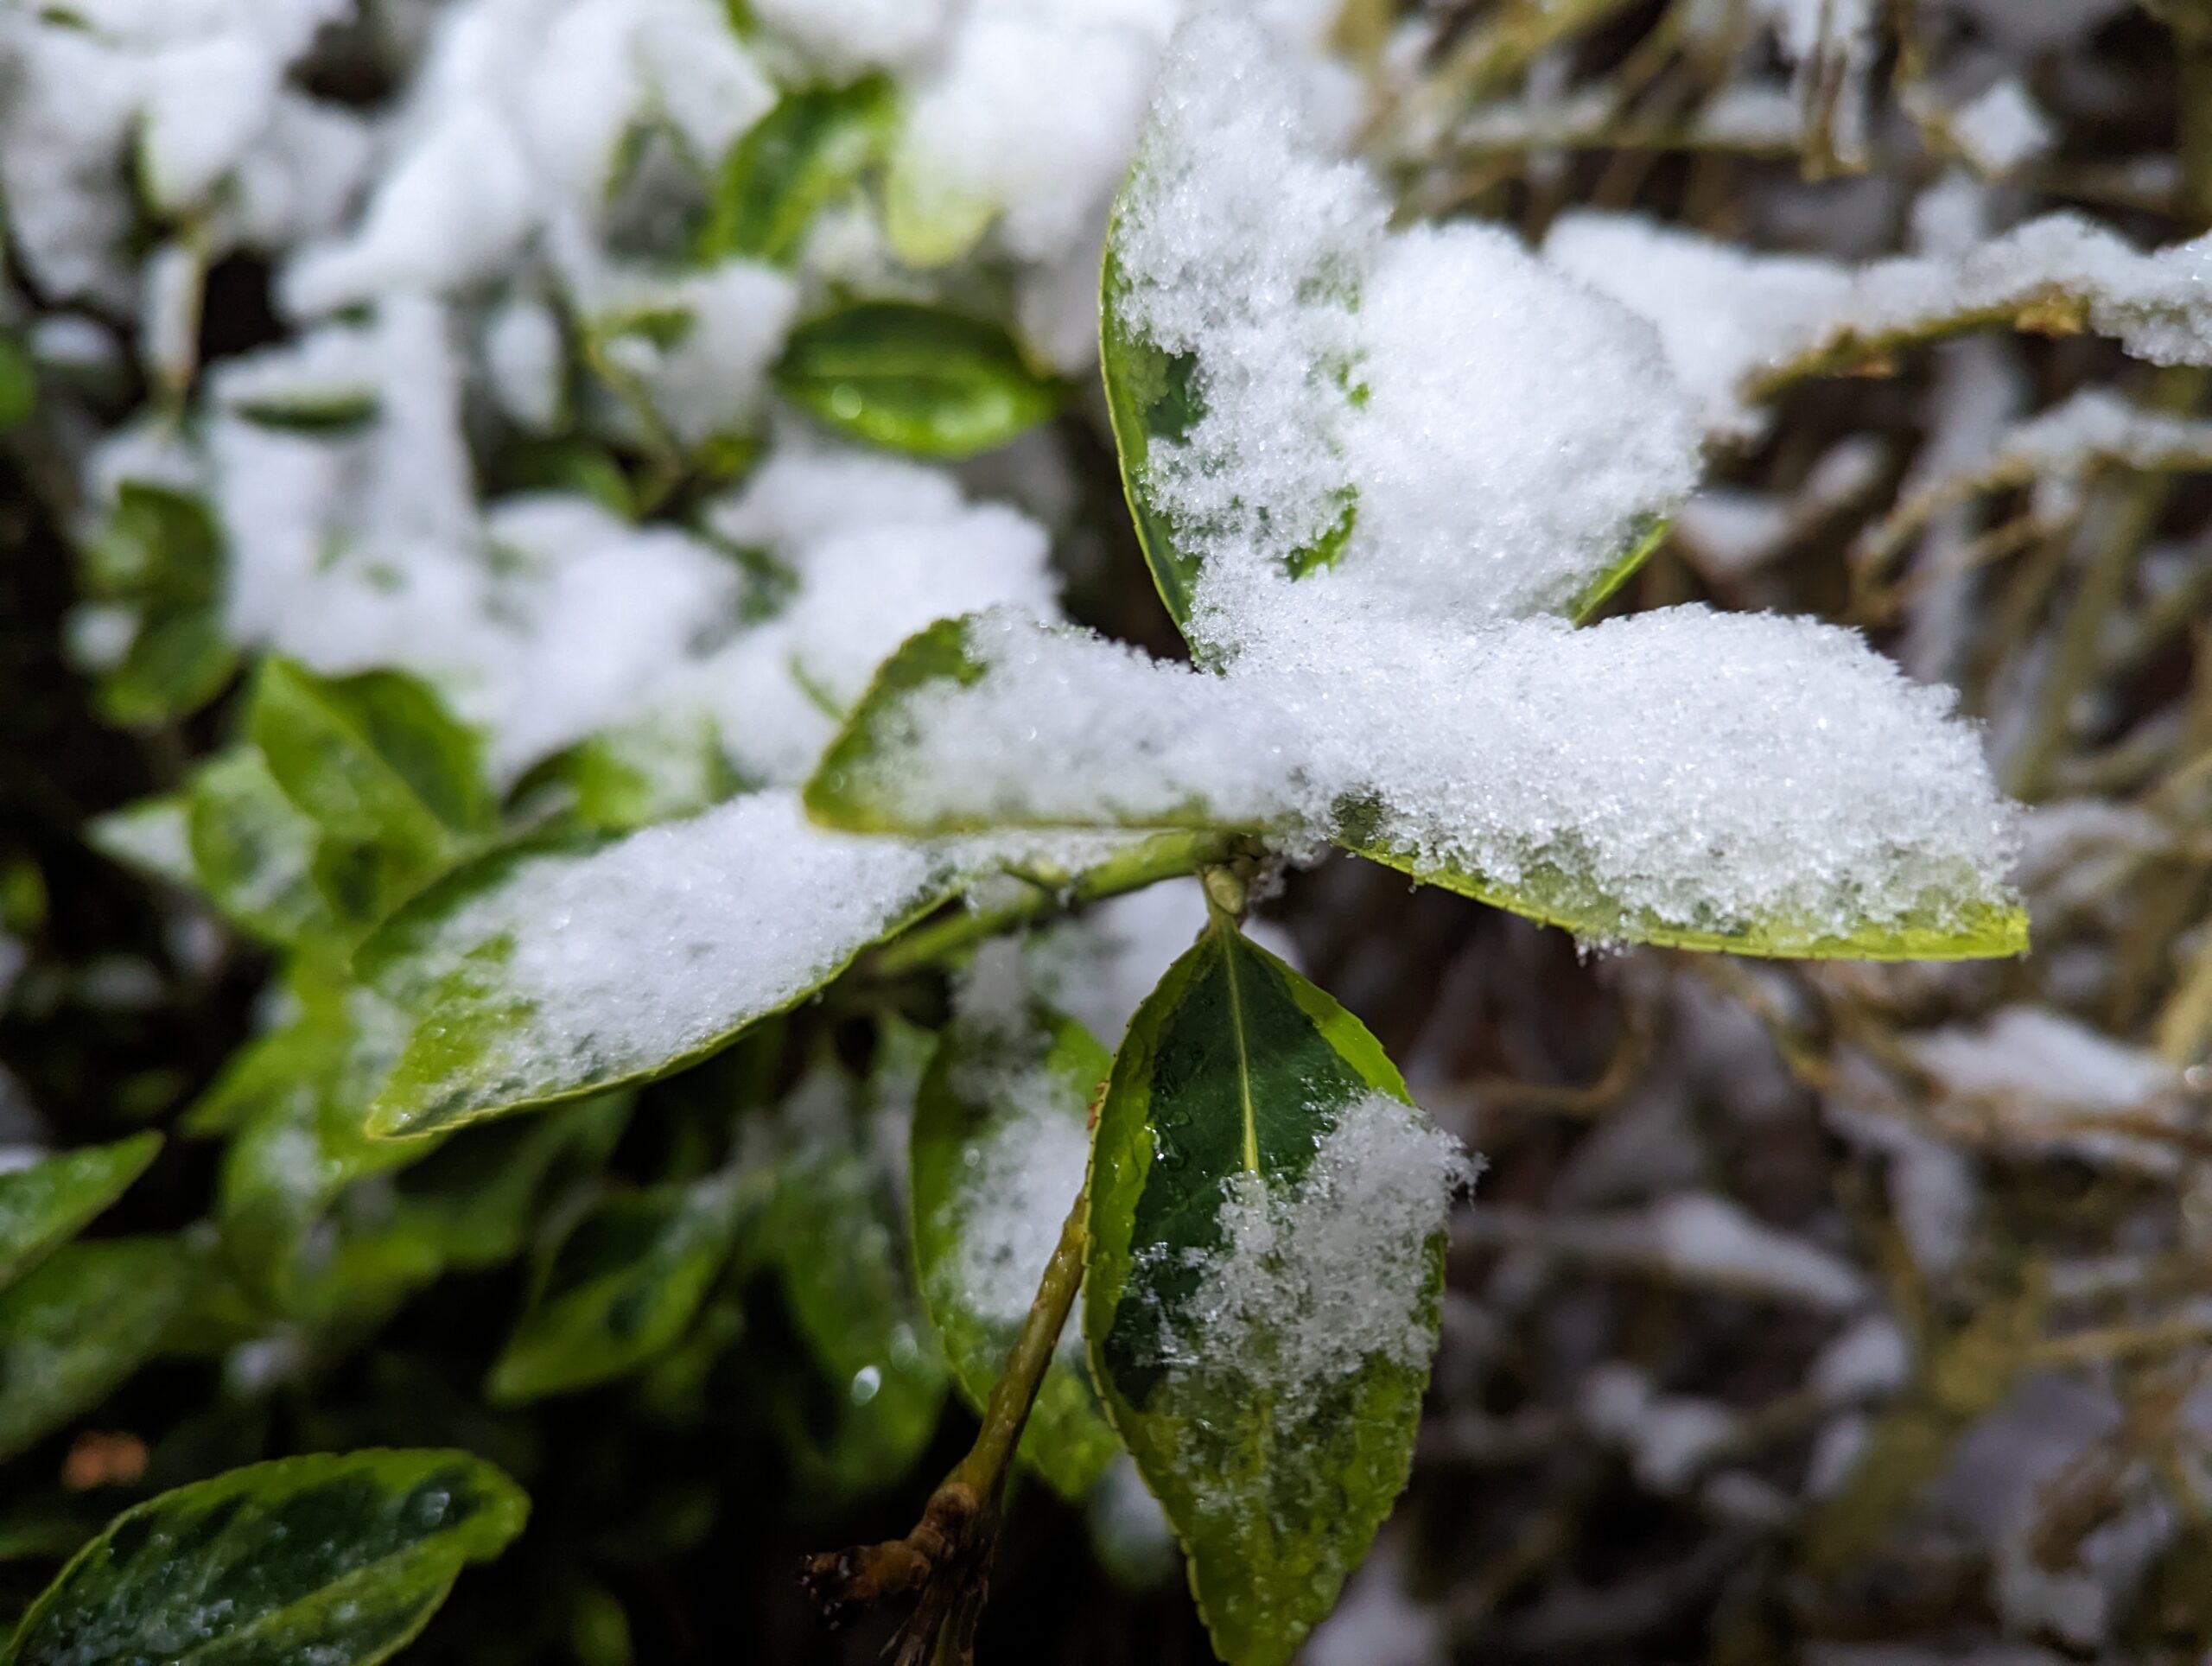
1001,1115
374,760
619,1289
1151,397
51,1200
915,379
801,156
845,790
635,776
478,1199
158,544
834,1235
338,1560
293,1099
176,664
1946,928
486,1039
1276,1450
79,1322
253,851
18,383
319,413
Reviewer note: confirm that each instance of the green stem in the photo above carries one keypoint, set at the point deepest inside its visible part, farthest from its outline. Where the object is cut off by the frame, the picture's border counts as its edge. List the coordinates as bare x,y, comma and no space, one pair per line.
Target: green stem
1006,1412
1165,856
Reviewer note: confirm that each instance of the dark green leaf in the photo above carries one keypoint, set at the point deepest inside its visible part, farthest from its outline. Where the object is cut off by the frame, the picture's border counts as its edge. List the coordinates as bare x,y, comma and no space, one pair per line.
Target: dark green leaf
51,1200
1001,1113
800,157
1276,1455
375,760
478,1199
323,413
834,1235
914,378
337,1561
18,383
620,1288
78,1323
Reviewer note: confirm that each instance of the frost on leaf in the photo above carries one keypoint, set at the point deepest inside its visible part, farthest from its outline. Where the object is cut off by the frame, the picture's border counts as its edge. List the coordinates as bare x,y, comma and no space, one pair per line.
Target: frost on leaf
1370,471
1761,784
545,971
1266,1255
1430,423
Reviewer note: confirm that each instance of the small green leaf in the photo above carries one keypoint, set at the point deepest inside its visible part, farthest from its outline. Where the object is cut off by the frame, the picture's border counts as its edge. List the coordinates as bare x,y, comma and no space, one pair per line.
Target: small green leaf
619,1289
478,1198
253,851
1000,1120
375,760
178,662
18,383
635,776
800,157
834,1235
158,544
79,1322
845,791
51,1201
914,378
321,413
1237,1275
340,1560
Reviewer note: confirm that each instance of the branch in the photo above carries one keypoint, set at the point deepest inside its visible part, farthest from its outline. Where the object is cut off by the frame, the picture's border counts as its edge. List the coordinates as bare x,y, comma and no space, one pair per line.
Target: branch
945,1563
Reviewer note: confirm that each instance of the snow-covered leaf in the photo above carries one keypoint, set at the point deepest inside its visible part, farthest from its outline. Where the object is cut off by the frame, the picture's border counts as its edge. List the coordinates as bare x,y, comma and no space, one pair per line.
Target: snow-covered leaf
1265,1263
338,1560
1001,1141
1709,781
545,970
1430,425
46,1203
914,378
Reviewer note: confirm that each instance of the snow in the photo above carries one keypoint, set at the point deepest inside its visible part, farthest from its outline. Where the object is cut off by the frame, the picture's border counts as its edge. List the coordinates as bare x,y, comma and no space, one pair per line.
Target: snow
1021,1175
1313,1282
1726,315
2048,1080
2001,130
1497,435
1527,751
1693,1238
654,946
